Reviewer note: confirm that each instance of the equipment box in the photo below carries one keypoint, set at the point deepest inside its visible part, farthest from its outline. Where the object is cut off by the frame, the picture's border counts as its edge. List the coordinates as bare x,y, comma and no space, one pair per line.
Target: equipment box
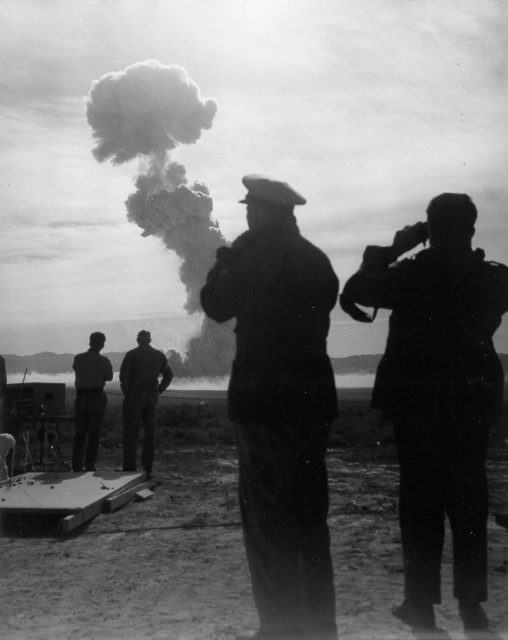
35,398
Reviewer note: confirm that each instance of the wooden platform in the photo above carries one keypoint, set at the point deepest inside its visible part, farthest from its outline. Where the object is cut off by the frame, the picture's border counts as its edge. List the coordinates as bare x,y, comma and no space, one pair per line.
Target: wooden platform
77,497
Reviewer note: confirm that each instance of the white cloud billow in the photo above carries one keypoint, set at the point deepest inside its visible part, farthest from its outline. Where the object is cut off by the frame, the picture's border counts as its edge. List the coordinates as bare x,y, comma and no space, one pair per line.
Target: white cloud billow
148,108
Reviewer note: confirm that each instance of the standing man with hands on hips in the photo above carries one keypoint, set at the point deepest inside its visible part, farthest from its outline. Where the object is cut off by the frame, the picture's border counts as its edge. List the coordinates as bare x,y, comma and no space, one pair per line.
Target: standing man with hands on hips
144,374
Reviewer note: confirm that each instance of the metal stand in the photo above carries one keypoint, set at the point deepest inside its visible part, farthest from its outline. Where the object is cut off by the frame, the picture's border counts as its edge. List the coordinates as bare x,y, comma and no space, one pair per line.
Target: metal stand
47,429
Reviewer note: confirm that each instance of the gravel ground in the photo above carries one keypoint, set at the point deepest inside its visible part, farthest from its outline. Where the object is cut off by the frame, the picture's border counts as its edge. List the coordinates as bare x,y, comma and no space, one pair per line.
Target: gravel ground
174,567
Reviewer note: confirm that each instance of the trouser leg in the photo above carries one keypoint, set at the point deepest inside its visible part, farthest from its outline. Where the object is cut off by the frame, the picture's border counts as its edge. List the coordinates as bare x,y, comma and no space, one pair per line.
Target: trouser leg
149,437
92,445
270,532
467,505
469,526
421,518
284,521
96,418
78,445
421,512
131,421
310,488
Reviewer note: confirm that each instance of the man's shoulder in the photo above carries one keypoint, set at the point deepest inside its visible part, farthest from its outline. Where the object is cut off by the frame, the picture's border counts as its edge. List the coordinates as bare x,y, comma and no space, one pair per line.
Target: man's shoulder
497,267
474,264
150,352
495,277
316,261
158,352
309,250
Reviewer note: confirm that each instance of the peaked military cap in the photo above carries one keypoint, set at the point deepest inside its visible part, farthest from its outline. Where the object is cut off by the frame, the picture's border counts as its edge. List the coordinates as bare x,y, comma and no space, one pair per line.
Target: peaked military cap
265,190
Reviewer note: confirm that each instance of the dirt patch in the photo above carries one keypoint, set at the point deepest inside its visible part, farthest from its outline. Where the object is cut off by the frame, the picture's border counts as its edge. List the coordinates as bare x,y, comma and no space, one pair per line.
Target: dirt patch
174,567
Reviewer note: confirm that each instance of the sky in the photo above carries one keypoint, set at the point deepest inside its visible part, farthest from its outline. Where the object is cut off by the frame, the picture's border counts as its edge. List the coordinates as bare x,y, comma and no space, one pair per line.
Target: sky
369,108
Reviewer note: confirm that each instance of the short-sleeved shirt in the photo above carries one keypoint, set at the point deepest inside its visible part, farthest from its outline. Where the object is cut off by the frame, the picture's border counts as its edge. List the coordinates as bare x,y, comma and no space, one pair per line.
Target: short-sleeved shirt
92,370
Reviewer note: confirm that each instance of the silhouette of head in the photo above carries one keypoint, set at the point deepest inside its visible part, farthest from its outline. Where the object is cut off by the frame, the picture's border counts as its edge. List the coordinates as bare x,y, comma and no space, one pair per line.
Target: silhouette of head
268,201
451,221
97,340
144,337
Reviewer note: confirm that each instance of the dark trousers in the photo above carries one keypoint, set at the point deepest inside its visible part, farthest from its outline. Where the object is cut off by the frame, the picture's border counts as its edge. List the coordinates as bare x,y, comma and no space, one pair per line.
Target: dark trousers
89,411
442,472
139,409
283,491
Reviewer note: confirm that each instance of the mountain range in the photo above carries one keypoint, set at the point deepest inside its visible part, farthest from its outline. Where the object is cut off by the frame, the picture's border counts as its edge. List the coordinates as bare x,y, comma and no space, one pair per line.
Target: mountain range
53,363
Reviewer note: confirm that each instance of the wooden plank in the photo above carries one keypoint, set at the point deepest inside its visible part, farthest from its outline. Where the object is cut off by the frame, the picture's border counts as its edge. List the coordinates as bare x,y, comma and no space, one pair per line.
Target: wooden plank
71,522
113,503
144,494
74,520
66,492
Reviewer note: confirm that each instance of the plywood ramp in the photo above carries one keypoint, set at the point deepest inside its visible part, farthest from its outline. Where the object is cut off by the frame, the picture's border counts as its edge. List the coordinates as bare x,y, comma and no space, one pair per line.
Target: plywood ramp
76,496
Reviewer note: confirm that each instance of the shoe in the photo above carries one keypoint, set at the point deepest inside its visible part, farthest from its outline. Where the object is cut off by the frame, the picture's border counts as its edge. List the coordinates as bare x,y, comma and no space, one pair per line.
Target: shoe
417,616
473,616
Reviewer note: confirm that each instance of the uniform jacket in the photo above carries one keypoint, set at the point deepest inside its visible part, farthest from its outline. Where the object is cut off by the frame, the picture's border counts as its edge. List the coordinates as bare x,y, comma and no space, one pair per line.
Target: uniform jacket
92,370
141,368
439,350
281,289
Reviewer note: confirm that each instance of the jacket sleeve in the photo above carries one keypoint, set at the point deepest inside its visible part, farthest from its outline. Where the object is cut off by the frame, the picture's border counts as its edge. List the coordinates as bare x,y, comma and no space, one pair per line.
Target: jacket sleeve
500,272
108,370
167,375
219,296
125,370
368,285
331,292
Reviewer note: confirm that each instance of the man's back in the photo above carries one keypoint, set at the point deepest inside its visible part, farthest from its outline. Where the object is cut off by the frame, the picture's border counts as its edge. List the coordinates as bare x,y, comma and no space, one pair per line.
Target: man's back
92,370
140,369
288,291
281,291
445,312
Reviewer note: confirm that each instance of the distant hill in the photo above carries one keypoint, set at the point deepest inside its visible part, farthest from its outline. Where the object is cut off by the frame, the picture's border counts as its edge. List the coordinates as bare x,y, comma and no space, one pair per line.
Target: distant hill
49,362
53,363
366,364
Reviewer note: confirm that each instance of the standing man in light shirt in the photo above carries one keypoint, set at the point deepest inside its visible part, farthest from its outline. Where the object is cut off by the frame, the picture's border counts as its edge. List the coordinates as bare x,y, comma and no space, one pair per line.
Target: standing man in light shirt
92,372
140,371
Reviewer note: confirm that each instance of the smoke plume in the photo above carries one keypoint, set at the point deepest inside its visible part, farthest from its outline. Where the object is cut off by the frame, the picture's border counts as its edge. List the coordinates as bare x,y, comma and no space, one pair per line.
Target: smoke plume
146,111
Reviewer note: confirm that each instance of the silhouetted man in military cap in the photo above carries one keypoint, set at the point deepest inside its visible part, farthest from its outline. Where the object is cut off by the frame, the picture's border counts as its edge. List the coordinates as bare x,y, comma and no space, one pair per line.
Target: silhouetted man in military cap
92,372
282,398
144,374
441,383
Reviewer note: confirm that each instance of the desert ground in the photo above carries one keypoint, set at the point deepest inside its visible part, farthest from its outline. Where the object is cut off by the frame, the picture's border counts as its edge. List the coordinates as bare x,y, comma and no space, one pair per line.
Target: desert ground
173,567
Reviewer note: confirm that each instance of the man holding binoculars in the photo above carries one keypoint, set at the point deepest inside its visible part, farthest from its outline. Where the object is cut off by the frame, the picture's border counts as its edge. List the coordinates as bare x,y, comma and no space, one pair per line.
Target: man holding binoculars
440,382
